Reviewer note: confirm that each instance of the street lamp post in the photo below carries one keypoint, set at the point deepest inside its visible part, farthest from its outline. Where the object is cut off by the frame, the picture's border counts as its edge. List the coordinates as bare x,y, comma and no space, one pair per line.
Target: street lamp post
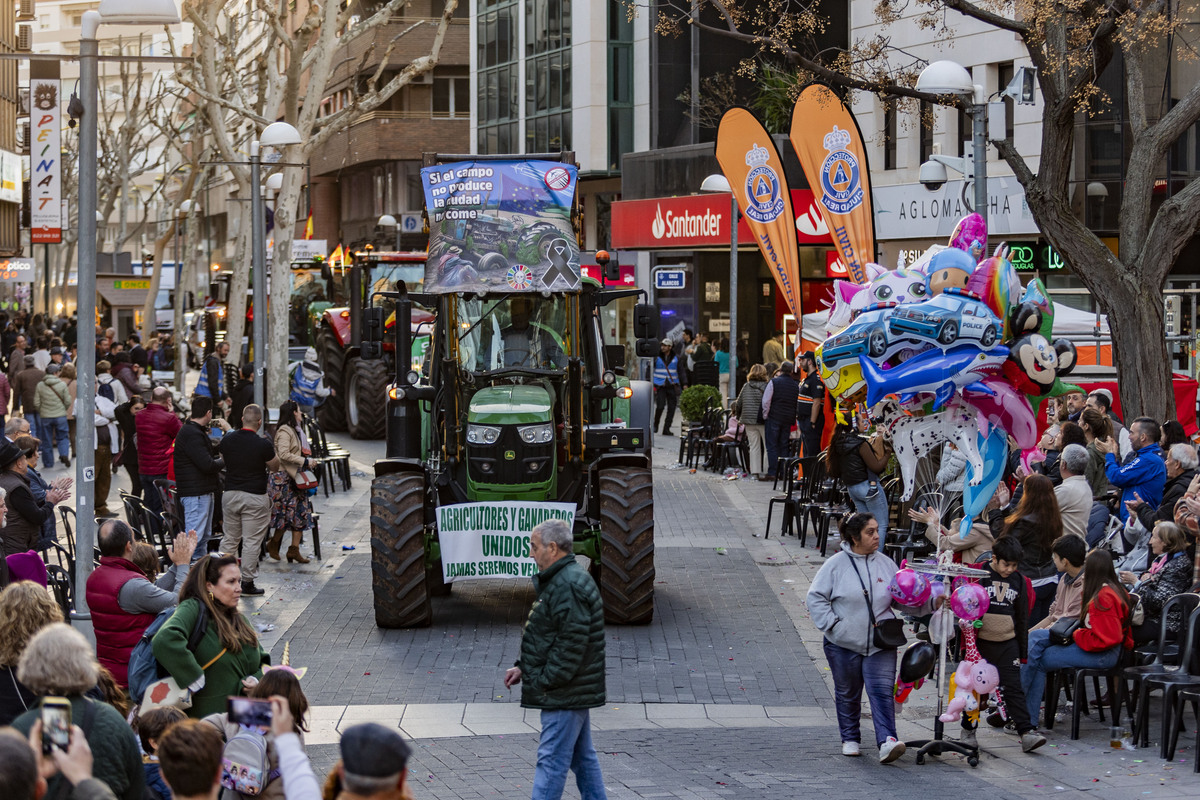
121,12
951,78
389,221
277,134
718,183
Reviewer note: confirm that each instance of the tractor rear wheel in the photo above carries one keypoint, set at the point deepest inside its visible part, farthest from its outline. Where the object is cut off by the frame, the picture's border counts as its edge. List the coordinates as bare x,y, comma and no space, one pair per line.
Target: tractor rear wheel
366,398
398,576
332,413
627,545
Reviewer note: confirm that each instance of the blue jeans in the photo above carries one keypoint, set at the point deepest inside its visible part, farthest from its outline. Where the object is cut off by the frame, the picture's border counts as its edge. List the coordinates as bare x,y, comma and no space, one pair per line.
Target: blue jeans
778,435
1045,657
198,517
851,673
869,498
54,427
566,743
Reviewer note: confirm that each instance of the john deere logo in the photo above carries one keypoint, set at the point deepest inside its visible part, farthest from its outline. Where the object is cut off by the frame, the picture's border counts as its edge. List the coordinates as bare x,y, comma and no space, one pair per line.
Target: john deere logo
509,455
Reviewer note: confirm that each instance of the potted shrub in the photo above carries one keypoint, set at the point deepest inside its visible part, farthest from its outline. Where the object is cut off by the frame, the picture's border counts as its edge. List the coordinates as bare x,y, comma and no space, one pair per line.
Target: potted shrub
695,399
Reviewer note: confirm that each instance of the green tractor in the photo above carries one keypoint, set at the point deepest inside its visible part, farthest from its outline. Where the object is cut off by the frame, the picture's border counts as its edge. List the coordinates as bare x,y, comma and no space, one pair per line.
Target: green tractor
518,402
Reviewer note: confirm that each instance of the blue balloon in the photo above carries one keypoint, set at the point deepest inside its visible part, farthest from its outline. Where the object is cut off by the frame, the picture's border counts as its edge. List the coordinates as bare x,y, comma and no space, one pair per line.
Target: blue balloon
994,450
932,371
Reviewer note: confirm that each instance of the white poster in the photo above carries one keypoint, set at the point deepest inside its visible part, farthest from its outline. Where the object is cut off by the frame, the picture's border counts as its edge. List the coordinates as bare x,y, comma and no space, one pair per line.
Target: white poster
491,540
45,167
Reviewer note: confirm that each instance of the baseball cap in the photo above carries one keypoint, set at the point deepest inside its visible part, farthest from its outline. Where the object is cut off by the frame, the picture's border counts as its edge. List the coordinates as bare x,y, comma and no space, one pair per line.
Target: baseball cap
1107,394
668,342
372,751
809,355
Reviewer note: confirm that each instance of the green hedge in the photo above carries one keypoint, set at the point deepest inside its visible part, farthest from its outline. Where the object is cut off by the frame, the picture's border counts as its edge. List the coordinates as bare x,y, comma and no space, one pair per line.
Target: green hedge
694,400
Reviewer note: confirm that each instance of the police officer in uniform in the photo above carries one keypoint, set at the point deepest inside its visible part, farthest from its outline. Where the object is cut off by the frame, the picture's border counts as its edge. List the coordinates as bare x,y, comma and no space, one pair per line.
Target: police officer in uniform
810,413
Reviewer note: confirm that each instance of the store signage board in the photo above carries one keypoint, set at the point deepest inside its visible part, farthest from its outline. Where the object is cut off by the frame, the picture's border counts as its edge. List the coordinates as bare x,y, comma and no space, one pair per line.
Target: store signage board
701,220
910,211
670,279
17,270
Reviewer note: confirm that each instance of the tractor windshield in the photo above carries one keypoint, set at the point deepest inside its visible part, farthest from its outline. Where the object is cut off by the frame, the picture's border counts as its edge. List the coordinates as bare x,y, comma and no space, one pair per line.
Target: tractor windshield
525,330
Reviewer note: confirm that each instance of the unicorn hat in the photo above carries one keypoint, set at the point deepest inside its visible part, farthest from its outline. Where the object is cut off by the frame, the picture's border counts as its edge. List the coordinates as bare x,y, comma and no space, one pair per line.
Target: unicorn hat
285,665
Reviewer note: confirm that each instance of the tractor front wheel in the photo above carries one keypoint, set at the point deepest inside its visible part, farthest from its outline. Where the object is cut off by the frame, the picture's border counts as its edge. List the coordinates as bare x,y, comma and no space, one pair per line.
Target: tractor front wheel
627,545
398,576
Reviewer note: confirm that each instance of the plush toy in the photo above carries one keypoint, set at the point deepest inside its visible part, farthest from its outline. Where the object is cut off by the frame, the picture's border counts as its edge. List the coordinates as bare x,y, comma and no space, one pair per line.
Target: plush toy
969,683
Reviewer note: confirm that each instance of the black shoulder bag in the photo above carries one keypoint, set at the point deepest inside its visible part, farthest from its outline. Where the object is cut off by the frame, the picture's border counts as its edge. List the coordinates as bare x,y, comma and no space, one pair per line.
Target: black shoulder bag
888,634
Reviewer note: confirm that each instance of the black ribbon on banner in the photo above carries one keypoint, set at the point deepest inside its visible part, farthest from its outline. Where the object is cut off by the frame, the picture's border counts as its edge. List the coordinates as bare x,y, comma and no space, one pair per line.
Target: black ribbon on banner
560,267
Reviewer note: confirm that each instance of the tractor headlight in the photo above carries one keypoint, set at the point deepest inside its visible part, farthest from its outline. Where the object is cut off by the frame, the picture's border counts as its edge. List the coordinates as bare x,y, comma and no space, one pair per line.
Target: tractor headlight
537,434
482,434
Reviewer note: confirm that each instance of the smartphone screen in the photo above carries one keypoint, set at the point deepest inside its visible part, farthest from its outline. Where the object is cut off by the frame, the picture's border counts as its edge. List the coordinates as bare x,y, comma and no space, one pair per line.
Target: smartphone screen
56,724
250,711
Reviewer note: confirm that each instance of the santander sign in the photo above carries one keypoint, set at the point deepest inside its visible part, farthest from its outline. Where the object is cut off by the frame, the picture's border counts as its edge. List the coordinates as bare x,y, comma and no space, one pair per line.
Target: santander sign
685,225
700,221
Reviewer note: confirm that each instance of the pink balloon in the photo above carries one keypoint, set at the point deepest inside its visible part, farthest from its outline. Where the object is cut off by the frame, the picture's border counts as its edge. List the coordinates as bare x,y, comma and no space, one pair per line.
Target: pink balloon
1007,409
909,588
969,602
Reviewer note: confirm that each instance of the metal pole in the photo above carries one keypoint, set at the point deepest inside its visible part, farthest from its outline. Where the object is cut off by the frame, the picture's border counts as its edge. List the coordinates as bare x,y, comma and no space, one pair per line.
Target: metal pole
979,137
733,296
85,304
398,228
46,252
258,223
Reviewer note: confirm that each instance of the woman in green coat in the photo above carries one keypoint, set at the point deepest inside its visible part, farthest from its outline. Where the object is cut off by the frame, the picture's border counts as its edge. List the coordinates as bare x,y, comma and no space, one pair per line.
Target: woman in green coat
228,659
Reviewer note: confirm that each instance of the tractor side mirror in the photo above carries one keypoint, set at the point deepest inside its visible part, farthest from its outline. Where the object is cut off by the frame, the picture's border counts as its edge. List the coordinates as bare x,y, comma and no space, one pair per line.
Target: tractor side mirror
372,330
371,351
647,348
614,356
326,272
645,323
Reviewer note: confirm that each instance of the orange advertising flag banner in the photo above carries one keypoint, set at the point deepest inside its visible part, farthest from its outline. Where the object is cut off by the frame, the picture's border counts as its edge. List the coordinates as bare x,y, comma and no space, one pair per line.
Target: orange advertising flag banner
754,170
829,144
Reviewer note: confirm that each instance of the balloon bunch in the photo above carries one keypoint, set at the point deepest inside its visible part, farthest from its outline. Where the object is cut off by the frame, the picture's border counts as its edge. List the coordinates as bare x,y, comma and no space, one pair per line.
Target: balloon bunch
948,349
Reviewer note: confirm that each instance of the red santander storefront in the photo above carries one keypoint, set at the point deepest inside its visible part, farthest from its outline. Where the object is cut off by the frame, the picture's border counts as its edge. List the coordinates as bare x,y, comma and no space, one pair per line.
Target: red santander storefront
691,234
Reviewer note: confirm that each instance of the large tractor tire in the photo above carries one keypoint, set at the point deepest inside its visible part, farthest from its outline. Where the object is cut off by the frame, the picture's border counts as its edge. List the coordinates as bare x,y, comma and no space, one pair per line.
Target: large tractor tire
366,398
398,576
627,545
332,413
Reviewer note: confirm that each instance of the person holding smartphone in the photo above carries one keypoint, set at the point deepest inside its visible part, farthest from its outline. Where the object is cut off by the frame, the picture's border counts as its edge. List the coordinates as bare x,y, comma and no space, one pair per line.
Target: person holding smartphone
59,667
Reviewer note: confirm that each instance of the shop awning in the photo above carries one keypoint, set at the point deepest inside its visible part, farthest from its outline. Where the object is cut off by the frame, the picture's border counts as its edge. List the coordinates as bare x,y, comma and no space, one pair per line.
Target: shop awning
123,291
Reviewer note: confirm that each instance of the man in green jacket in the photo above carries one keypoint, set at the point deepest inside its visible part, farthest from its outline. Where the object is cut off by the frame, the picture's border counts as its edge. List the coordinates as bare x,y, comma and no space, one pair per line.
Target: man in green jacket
561,670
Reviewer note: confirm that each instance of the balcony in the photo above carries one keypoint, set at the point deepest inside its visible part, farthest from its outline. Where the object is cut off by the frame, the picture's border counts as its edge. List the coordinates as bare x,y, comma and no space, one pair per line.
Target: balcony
380,136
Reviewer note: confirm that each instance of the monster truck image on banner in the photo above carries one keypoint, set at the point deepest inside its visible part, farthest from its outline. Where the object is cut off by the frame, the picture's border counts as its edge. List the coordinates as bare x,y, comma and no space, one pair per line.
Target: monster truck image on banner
491,540
501,226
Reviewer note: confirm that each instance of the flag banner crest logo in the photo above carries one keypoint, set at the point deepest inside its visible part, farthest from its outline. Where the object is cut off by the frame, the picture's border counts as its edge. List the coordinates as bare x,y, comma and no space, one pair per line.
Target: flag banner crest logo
840,175
762,187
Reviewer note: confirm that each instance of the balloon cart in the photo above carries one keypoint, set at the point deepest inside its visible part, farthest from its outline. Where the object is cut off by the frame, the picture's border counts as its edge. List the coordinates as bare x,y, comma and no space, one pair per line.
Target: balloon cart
938,744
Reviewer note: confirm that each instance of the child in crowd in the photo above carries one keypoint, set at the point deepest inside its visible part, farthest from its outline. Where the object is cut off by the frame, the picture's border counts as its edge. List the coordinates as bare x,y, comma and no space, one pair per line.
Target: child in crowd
150,728
1003,636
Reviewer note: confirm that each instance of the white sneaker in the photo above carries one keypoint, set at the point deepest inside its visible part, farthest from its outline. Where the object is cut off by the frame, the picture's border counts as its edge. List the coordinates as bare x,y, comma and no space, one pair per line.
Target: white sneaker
890,750
850,749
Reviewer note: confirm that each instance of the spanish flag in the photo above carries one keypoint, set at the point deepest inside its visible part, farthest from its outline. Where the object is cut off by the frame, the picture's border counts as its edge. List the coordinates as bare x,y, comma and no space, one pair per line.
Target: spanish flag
337,259
308,228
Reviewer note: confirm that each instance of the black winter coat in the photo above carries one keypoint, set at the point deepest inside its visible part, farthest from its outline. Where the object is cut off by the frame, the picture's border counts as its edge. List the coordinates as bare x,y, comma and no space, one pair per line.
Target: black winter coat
562,647
197,465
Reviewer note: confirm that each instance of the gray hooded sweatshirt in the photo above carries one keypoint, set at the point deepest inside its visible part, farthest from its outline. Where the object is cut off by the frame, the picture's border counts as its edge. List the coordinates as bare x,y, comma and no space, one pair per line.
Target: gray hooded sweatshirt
836,603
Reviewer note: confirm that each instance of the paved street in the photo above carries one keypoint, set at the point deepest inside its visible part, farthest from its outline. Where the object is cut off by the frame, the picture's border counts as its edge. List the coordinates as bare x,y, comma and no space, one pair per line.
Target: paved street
725,694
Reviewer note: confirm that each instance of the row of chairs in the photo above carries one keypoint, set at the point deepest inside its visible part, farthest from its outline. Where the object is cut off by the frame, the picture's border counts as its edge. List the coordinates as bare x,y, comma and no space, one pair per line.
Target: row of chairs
334,458
810,497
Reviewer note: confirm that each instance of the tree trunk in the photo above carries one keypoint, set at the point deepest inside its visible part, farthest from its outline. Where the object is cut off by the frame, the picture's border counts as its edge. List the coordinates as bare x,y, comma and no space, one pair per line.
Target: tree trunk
1135,317
281,288
239,284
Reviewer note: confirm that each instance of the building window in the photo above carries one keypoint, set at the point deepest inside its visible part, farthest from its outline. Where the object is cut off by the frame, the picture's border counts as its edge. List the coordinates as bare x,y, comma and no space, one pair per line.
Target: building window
620,84
451,96
891,131
926,127
547,76
496,57
1005,74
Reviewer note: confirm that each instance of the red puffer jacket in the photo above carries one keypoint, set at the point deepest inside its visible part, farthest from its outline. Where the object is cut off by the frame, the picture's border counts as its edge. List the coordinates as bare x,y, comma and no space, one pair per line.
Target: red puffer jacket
1106,623
157,428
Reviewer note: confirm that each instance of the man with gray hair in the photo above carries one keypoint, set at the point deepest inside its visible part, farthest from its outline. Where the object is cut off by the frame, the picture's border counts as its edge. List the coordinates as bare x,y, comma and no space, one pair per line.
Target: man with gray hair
248,459
16,426
1074,493
1181,468
561,669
